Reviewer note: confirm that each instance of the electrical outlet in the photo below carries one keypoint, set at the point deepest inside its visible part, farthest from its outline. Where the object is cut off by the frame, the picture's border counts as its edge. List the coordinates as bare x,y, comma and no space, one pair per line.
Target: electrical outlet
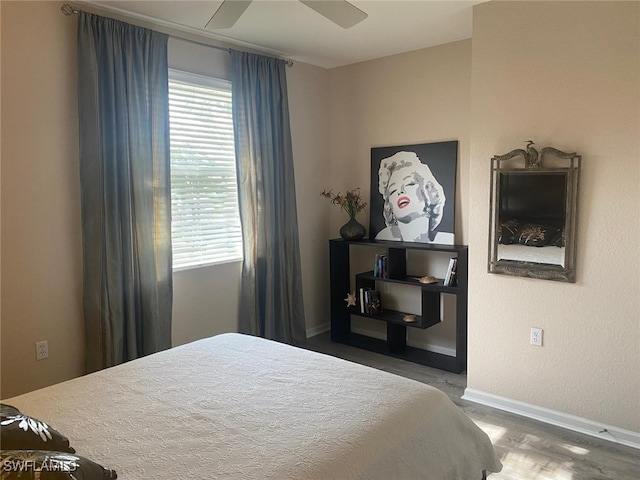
536,337
42,350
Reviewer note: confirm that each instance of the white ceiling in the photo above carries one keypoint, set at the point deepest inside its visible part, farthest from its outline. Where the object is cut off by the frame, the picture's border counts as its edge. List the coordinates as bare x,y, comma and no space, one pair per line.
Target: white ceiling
290,29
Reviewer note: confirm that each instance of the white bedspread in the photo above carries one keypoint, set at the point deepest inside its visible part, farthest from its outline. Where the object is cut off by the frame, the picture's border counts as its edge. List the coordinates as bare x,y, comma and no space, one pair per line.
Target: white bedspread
239,407
549,254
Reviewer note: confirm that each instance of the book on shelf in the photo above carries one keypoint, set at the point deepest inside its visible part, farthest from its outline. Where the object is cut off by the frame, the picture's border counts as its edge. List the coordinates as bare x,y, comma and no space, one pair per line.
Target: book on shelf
362,298
453,281
450,278
372,302
447,276
380,266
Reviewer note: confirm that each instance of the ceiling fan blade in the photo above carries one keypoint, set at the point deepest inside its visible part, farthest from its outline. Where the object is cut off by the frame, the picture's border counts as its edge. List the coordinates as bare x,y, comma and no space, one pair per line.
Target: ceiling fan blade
340,12
228,13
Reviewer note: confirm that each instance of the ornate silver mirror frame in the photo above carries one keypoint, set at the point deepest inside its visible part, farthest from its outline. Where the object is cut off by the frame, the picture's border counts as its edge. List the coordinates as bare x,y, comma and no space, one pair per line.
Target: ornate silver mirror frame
534,213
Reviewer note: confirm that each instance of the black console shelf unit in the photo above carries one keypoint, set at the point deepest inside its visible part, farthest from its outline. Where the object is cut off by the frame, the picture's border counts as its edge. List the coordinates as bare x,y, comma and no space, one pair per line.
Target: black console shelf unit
396,343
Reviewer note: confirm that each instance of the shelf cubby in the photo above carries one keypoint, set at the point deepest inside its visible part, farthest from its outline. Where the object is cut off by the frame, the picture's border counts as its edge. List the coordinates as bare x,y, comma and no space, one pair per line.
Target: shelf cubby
396,344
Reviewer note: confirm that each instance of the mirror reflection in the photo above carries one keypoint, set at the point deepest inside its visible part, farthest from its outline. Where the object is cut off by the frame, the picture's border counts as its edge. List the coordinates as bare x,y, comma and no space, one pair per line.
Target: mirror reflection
533,213
532,217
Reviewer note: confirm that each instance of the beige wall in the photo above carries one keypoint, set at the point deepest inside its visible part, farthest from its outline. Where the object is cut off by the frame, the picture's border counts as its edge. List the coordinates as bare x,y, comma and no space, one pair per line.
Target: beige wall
308,88
565,74
41,239
41,235
416,97
205,300
571,82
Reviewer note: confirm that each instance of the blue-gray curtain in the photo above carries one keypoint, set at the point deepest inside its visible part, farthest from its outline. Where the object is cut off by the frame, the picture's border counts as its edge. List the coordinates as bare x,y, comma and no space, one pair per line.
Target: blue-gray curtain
125,190
271,303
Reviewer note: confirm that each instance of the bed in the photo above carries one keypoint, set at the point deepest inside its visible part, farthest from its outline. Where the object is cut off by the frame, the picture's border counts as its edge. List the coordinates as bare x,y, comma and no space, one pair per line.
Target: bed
240,407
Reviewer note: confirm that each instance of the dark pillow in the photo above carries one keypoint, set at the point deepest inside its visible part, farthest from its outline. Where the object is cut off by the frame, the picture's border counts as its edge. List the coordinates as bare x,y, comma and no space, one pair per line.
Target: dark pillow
45,465
509,232
535,235
21,432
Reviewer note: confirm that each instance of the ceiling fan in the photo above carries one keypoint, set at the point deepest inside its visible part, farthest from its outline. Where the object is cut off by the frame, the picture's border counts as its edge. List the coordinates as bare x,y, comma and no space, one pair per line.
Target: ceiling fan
339,12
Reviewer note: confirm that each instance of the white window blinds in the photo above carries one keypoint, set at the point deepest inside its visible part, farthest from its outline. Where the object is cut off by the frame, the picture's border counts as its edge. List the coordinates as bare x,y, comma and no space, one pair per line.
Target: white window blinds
205,224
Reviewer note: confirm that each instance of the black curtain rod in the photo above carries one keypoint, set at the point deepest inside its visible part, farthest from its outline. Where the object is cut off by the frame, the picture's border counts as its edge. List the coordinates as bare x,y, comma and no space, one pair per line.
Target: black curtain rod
67,9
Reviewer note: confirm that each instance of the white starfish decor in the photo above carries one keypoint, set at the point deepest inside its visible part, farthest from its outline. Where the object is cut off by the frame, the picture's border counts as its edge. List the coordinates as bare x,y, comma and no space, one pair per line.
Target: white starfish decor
351,299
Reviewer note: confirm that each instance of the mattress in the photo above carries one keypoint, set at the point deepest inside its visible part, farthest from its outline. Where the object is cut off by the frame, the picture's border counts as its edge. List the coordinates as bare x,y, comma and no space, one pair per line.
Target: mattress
240,407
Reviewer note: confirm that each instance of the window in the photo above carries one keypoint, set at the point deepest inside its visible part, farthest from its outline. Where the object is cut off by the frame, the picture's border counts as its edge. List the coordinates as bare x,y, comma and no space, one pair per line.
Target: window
205,225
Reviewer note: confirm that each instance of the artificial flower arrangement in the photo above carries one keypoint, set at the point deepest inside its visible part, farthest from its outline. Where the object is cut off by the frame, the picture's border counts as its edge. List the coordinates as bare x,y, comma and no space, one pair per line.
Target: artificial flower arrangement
351,201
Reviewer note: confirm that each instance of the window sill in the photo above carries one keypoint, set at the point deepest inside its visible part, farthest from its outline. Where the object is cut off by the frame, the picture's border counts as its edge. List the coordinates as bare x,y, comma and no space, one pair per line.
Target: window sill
204,265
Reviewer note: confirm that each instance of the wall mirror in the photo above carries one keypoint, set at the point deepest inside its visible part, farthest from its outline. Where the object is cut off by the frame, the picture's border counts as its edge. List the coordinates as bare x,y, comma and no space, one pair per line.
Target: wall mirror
534,210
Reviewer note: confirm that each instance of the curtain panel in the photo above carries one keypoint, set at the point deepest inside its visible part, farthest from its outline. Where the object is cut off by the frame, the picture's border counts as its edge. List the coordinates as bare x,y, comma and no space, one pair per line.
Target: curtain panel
271,303
125,190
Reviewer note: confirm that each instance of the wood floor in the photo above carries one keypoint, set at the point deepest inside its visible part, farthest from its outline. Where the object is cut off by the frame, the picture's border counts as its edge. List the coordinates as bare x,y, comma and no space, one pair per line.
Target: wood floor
529,450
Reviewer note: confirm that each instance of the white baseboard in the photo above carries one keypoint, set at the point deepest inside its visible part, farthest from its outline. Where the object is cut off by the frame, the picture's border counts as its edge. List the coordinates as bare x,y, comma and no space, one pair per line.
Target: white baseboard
554,417
318,329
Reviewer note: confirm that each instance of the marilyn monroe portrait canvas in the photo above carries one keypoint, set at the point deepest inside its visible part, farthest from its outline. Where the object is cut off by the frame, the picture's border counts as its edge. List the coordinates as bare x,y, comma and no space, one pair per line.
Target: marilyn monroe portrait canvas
413,192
